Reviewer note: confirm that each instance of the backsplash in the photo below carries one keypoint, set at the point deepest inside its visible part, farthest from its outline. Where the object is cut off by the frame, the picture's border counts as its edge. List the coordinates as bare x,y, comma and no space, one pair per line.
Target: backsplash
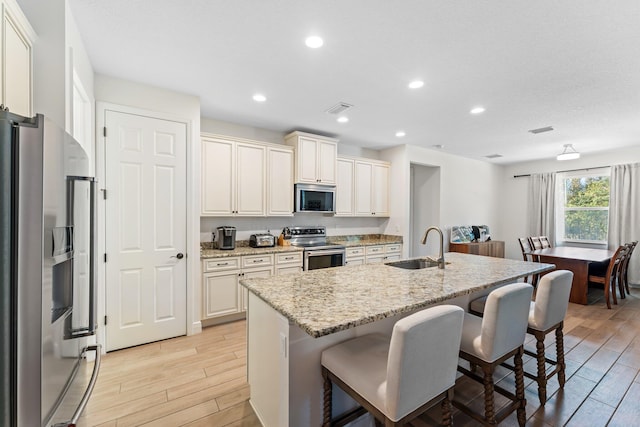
336,226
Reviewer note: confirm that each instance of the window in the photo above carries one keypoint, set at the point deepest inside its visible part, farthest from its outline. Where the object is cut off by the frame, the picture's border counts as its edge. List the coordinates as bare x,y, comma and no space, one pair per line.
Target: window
583,208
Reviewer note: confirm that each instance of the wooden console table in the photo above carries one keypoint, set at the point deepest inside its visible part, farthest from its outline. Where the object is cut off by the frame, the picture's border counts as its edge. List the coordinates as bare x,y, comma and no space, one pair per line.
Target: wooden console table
494,248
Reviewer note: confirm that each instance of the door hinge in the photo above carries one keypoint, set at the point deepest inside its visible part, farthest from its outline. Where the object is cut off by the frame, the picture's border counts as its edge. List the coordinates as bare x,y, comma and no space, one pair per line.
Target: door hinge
104,131
104,193
105,257
105,320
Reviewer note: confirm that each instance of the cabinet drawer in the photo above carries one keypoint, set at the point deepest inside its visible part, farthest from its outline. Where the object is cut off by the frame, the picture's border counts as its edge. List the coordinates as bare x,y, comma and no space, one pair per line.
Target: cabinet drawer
256,260
374,250
221,264
289,257
355,252
393,248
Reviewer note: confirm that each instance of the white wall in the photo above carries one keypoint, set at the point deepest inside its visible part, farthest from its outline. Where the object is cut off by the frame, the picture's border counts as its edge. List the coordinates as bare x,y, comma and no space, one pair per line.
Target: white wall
469,191
425,187
514,193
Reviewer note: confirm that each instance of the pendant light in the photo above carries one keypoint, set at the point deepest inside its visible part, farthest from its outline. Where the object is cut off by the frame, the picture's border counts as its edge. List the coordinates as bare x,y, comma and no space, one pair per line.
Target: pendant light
569,153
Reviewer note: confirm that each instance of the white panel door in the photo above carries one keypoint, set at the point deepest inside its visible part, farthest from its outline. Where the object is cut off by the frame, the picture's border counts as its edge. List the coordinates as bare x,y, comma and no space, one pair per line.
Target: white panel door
145,229
344,188
250,179
363,188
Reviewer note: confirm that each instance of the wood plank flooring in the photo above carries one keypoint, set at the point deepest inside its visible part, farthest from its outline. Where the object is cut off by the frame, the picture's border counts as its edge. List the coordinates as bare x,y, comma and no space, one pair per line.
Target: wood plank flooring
201,380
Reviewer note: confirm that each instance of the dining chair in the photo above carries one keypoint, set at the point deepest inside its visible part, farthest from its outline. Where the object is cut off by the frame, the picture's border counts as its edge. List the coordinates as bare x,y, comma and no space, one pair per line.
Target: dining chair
546,243
623,282
397,379
525,247
492,339
608,277
536,243
546,315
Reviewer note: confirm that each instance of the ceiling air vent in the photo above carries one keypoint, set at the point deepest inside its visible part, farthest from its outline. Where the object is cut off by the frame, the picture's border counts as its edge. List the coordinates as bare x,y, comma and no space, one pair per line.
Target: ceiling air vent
493,156
339,108
541,130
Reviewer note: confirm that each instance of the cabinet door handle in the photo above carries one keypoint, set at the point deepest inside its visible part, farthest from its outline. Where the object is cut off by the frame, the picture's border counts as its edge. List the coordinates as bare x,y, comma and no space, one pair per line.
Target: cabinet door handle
288,257
258,260
220,264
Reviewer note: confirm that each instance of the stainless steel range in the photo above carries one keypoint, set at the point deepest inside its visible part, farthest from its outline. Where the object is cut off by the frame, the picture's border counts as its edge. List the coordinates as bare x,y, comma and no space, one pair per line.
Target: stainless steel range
317,252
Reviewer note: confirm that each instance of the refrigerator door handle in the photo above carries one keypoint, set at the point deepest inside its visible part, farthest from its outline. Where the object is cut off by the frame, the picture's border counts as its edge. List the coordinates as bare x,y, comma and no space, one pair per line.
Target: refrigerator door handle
87,394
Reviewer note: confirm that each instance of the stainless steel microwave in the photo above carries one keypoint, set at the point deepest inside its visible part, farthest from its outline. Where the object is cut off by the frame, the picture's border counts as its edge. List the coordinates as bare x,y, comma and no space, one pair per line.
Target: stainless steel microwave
315,198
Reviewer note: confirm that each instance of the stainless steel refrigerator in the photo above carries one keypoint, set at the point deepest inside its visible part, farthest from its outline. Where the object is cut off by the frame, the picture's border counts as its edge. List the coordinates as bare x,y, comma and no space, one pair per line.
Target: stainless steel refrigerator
47,274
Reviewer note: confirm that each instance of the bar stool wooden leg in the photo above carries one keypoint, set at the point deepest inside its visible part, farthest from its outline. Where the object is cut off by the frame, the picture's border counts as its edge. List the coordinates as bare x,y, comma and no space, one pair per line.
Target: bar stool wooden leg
447,419
521,411
326,416
542,372
489,408
560,355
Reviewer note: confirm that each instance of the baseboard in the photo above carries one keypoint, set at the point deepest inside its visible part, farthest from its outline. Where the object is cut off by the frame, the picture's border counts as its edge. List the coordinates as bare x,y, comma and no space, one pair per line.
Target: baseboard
196,328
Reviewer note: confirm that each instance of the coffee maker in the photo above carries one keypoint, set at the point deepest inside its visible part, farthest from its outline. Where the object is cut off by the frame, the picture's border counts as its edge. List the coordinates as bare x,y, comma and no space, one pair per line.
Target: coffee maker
226,237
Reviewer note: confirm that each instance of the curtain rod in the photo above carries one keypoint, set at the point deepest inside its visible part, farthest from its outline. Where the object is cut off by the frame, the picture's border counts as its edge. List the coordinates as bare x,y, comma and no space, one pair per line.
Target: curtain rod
568,170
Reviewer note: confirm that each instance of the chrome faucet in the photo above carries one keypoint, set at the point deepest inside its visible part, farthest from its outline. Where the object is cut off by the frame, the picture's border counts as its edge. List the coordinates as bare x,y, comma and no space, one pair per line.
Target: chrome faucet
440,259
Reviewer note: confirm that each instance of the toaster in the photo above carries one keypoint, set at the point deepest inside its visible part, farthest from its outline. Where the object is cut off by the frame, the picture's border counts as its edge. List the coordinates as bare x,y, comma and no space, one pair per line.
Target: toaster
262,240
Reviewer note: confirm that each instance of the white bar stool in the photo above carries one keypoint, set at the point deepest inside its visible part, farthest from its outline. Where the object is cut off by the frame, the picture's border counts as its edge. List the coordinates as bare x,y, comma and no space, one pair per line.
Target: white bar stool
490,340
546,315
397,379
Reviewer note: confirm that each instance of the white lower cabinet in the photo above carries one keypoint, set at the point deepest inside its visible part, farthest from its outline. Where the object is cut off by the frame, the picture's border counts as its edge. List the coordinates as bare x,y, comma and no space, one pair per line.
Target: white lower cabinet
358,255
288,263
355,255
222,294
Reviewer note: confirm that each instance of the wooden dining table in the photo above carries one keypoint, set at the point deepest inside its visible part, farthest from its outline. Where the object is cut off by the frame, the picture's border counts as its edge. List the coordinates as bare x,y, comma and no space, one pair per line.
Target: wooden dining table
576,260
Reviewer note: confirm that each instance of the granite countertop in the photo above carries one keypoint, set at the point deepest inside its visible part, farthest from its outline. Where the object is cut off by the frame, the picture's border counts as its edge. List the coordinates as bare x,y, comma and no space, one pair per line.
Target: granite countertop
329,300
243,248
364,240
246,250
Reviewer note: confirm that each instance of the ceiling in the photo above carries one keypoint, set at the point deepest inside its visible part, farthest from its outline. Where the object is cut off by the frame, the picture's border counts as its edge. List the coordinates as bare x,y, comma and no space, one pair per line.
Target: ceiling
573,65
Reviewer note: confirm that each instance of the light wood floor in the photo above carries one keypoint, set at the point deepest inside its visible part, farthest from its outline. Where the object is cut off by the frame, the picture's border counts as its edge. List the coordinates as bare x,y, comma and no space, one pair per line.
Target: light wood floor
201,380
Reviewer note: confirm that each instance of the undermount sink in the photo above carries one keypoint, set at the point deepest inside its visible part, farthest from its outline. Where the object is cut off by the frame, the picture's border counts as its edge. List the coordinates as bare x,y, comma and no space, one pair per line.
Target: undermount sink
414,264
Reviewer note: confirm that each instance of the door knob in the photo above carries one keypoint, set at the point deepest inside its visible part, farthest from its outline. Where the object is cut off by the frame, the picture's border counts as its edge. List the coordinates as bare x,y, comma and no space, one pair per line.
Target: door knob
179,256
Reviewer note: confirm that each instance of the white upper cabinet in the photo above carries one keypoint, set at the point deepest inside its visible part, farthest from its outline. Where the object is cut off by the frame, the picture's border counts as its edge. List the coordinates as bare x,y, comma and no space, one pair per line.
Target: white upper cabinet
344,188
380,189
250,179
315,158
233,177
363,187
16,61
280,181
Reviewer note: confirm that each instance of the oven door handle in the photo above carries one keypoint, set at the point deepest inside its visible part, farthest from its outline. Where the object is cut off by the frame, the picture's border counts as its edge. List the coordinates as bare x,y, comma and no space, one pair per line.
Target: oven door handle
324,252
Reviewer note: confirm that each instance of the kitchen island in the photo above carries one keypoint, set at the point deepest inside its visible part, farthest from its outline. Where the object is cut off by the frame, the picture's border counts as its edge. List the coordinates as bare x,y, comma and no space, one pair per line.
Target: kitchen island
291,319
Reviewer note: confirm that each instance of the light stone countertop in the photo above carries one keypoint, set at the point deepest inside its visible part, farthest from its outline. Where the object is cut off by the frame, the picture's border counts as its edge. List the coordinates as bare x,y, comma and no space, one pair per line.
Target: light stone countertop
246,250
243,248
329,300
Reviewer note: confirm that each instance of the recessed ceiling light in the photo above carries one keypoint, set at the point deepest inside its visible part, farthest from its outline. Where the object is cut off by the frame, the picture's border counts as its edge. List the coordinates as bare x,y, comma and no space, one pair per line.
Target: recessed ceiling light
416,84
343,119
477,110
400,134
314,42
258,97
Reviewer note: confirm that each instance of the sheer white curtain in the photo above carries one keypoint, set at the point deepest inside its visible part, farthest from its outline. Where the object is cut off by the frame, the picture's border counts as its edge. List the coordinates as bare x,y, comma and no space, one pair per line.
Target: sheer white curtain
624,212
542,189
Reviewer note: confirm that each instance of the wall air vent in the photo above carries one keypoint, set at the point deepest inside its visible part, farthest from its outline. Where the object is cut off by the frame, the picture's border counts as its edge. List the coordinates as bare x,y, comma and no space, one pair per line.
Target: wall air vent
493,156
339,108
541,130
